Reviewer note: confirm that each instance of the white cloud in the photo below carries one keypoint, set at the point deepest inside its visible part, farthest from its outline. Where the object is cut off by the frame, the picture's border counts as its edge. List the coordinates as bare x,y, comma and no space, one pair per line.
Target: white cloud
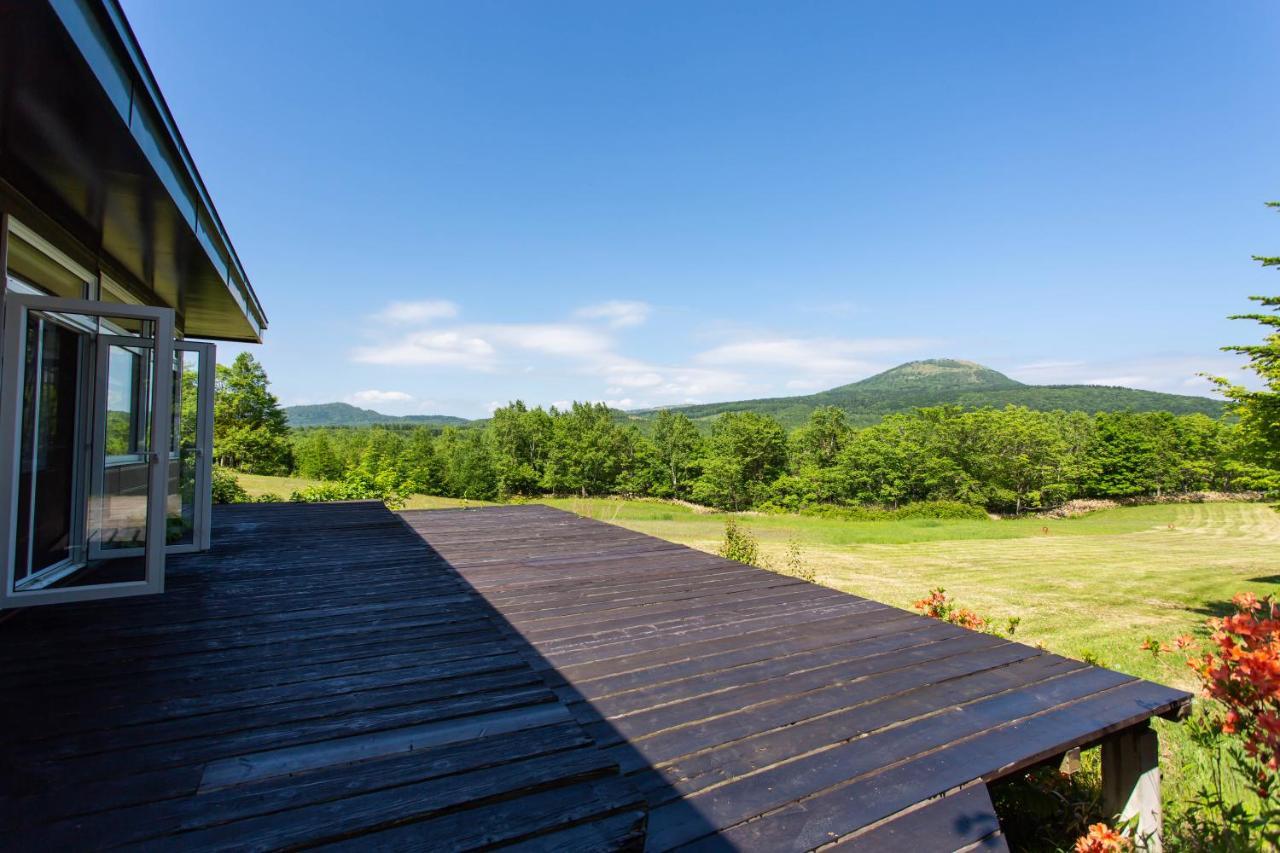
450,348
1175,373
417,312
559,339
617,313
831,357
1050,365
373,397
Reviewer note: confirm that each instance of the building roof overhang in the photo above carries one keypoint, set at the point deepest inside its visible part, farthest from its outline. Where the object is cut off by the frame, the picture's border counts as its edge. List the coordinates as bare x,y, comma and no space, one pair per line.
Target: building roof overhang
86,137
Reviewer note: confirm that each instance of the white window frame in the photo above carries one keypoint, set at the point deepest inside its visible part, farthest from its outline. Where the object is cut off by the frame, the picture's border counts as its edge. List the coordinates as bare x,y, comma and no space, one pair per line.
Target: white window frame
17,307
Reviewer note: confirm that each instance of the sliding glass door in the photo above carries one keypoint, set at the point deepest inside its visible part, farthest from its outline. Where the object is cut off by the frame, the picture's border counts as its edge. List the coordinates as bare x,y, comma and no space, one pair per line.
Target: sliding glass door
93,483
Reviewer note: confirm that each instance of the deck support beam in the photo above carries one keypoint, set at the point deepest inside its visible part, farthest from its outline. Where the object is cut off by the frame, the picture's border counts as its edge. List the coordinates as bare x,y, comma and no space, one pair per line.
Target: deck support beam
1131,782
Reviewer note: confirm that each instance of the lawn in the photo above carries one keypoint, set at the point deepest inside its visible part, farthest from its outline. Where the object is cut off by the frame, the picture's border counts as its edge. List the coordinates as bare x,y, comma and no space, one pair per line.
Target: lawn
1095,585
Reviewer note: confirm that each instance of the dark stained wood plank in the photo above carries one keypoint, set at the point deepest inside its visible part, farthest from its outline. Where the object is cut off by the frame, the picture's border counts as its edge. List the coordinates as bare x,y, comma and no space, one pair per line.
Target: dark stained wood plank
743,705
962,820
321,673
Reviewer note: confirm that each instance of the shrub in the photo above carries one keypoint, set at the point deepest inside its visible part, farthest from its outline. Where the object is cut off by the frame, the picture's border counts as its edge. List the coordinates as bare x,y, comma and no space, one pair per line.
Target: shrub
353,487
939,606
1239,726
739,544
944,510
948,510
795,565
226,488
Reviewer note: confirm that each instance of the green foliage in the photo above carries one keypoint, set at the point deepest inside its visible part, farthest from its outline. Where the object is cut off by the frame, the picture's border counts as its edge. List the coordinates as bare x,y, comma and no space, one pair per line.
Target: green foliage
465,464
1259,411
353,487
794,563
744,455
314,456
347,415
522,441
677,449
948,510
739,544
942,382
587,451
250,432
226,488
938,463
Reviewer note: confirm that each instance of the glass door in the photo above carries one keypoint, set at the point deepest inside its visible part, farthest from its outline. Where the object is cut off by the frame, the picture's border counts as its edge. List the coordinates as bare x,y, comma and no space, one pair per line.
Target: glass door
191,447
84,470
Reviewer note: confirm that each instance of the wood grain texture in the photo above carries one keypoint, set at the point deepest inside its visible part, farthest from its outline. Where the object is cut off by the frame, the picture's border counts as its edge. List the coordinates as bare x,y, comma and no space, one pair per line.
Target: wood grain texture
337,675
319,677
758,712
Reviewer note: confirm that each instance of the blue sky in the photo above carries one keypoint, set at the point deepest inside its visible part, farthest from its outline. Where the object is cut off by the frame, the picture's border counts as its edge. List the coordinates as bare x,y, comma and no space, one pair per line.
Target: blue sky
447,206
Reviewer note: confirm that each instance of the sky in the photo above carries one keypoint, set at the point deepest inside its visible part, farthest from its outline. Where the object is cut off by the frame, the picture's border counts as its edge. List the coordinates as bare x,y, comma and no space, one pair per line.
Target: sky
444,207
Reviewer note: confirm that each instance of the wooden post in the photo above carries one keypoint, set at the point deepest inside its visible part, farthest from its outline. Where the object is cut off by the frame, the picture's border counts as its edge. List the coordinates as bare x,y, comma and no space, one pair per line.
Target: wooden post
1131,782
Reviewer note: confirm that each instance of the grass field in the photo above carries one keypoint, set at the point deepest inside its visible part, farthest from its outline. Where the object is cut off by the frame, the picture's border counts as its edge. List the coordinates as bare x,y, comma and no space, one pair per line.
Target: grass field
1099,584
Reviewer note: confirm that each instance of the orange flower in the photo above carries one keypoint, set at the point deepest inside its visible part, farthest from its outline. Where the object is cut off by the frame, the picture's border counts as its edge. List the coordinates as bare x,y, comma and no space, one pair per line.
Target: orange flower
1246,601
1102,839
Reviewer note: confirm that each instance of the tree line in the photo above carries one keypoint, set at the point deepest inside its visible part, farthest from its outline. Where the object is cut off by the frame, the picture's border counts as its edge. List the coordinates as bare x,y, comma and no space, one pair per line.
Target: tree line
1007,460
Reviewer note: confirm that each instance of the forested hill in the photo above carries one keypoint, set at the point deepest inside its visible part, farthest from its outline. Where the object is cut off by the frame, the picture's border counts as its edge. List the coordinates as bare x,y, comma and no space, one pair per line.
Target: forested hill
344,414
941,381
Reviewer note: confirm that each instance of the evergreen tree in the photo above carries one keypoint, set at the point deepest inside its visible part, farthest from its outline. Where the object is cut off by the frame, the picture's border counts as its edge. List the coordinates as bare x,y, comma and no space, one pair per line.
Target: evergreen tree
1259,411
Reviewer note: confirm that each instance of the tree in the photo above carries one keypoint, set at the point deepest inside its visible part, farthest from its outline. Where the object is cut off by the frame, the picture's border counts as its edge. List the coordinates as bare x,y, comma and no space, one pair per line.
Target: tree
587,451
466,464
314,457
1259,411
521,439
745,454
677,445
822,438
250,430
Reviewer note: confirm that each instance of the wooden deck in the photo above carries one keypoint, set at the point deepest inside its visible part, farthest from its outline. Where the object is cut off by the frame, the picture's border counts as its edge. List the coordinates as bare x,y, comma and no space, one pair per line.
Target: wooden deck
514,676
756,711
318,677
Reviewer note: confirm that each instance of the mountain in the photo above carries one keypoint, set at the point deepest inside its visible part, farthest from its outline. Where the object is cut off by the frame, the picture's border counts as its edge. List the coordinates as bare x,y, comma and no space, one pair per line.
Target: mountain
945,381
344,414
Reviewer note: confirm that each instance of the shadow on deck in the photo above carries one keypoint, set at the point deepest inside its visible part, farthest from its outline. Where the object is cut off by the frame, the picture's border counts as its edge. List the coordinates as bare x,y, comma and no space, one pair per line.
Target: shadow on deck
514,675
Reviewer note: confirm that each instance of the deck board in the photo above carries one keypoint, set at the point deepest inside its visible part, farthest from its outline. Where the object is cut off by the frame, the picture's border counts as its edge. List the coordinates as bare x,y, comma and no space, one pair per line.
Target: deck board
756,711
340,676
319,677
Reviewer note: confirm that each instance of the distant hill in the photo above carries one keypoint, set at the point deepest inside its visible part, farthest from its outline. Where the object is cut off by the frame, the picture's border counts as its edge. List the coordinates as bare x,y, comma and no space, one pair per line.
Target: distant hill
344,414
944,381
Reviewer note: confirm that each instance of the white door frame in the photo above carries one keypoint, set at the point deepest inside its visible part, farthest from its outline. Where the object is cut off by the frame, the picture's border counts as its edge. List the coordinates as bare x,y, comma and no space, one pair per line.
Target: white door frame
203,509
17,307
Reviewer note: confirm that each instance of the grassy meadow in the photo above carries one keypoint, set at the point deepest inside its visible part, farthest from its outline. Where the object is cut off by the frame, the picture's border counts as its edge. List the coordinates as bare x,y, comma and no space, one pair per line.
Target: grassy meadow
1095,585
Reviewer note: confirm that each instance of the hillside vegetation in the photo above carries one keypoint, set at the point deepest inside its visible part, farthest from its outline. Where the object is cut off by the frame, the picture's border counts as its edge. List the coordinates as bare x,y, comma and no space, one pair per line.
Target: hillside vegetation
916,384
941,381
347,415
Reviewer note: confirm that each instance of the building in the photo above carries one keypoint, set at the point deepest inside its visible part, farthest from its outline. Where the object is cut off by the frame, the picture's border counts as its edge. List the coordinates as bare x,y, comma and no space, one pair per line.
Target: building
117,274
462,679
